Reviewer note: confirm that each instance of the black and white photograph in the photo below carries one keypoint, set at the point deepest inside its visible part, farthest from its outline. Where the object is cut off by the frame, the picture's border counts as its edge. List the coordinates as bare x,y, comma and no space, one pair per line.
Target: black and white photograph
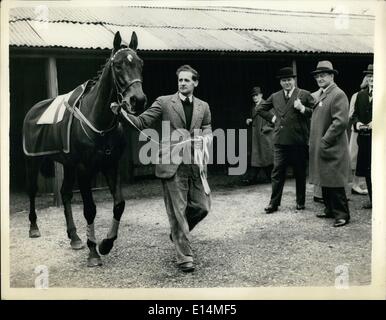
193,150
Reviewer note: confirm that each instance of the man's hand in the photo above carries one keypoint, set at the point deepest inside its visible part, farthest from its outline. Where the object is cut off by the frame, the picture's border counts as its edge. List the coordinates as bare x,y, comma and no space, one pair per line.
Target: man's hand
361,126
273,119
299,106
115,107
248,121
198,144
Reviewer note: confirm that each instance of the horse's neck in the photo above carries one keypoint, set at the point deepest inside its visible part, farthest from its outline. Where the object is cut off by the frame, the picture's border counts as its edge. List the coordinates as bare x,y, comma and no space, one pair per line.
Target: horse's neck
96,104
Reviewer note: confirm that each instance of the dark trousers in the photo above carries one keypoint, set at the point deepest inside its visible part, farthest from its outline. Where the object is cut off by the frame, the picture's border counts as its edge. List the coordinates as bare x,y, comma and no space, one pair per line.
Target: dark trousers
369,186
336,203
283,156
363,168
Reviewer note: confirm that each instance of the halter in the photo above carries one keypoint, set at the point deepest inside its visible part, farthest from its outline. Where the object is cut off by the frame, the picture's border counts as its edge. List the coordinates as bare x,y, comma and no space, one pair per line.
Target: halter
118,88
120,92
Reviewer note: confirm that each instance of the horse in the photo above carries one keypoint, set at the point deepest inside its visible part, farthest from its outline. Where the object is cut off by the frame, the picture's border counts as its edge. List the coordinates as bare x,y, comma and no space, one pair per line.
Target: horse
96,145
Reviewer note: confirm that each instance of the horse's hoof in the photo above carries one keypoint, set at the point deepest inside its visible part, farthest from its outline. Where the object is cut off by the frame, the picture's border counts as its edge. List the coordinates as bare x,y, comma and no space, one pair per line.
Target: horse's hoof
34,233
94,262
77,245
106,245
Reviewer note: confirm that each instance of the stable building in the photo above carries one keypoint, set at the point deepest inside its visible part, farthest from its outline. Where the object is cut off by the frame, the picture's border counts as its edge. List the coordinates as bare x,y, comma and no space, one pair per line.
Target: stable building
54,49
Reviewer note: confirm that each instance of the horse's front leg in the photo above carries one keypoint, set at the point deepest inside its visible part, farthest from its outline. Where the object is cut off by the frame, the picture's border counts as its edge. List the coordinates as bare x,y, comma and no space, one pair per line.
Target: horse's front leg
113,180
89,212
66,193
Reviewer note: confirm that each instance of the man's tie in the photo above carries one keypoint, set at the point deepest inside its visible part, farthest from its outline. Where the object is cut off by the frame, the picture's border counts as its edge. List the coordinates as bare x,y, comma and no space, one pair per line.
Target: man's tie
286,94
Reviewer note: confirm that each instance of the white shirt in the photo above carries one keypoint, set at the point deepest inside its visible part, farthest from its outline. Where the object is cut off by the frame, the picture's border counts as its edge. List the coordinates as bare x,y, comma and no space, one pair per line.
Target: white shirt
289,93
182,97
325,89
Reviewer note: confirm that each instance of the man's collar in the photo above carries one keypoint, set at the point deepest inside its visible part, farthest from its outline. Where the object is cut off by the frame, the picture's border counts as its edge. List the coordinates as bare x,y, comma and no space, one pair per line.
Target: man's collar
182,97
291,92
325,89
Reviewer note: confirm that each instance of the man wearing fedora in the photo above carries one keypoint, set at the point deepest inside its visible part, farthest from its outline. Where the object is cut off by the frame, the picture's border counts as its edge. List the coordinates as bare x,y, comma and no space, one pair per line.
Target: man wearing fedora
329,153
262,152
293,109
362,123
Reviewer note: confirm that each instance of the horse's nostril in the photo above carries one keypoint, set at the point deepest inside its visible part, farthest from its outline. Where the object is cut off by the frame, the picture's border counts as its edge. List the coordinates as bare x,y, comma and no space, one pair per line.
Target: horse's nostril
133,101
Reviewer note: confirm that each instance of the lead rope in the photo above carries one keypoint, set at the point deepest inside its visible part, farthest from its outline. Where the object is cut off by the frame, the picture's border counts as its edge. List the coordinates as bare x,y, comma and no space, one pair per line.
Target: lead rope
201,156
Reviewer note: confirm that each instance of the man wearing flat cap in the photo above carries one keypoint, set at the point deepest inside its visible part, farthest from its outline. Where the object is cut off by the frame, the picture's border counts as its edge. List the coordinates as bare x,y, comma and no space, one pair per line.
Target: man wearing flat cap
329,152
362,123
293,109
262,152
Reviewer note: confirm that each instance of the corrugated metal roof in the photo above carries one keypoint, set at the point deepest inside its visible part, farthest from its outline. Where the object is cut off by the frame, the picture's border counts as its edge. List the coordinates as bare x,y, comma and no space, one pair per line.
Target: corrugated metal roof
222,29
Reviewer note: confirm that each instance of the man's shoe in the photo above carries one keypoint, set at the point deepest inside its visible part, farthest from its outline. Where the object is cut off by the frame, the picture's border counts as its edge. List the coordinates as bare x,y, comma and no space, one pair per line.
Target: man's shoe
270,209
186,266
324,215
340,222
358,190
300,207
368,205
317,199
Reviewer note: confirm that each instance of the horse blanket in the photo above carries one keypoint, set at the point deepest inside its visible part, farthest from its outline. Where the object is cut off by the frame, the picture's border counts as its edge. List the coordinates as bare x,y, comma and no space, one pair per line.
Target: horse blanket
47,125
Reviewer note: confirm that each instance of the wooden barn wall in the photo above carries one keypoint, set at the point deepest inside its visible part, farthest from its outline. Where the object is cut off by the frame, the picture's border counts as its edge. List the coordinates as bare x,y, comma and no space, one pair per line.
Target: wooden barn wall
225,83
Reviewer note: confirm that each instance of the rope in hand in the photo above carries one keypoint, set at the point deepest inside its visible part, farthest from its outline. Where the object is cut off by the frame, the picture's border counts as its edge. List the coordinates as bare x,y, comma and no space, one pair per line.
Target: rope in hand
201,155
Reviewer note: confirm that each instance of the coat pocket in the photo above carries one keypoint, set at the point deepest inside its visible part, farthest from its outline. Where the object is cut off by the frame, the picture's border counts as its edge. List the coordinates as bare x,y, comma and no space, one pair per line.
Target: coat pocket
327,151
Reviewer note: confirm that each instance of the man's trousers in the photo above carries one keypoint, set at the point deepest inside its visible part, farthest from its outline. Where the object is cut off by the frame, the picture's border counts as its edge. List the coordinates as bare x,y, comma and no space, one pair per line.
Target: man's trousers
186,205
283,156
336,203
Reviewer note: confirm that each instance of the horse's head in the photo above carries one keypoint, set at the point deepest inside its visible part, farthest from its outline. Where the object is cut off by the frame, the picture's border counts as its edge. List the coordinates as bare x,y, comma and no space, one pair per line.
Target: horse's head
127,74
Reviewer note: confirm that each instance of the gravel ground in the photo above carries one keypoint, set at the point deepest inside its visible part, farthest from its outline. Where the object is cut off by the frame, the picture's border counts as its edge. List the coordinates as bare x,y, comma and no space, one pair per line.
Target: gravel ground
237,245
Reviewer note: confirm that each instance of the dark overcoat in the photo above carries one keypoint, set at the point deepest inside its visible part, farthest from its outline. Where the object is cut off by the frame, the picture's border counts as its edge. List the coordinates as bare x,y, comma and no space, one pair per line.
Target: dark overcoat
262,130
291,126
363,112
329,154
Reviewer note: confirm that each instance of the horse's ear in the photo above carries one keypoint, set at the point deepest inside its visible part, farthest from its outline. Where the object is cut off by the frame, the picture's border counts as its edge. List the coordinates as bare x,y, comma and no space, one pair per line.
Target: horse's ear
134,41
117,41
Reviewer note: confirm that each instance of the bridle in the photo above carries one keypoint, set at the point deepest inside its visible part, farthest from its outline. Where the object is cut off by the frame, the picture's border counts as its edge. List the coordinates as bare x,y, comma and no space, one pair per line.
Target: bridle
119,89
120,94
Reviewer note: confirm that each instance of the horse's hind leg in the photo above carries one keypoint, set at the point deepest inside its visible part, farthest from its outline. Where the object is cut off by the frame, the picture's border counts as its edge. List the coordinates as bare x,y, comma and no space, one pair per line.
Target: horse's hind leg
89,212
113,181
32,170
66,193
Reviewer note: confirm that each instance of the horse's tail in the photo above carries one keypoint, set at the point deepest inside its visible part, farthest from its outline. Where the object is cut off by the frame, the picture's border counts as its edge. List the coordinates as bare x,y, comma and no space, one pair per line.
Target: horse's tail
47,168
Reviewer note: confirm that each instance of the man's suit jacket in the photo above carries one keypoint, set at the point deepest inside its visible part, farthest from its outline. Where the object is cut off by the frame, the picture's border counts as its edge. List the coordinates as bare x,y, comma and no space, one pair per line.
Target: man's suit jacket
169,109
363,109
291,126
329,156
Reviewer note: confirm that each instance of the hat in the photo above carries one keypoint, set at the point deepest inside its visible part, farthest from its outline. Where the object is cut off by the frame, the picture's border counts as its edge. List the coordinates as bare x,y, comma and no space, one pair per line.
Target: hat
369,69
324,66
286,72
255,91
